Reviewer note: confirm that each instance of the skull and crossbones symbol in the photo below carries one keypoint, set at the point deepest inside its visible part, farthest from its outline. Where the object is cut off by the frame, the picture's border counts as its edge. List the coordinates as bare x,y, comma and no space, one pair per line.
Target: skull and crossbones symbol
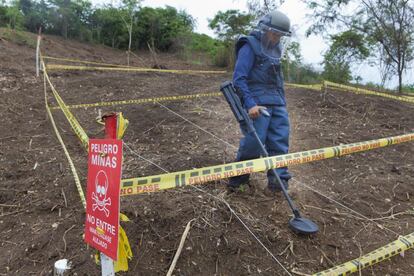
101,188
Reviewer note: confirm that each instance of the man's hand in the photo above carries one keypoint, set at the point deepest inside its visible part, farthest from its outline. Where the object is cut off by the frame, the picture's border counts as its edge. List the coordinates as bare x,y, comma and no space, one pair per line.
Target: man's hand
254,112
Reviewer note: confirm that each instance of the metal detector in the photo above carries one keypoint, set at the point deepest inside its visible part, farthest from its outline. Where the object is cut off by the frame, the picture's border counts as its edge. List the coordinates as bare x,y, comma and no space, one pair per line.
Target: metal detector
298,224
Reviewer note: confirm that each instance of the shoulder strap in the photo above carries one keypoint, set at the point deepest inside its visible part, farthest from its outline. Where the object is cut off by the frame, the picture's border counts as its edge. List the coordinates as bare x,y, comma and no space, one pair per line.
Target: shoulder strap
252,41
255,44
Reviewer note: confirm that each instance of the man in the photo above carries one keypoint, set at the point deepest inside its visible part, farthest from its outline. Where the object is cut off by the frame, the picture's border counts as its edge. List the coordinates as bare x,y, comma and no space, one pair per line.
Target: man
258,76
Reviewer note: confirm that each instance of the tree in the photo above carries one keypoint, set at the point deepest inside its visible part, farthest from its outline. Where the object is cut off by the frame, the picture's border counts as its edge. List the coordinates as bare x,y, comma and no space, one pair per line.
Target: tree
107,26
346,48
35,14
309,74
3,11
61,14
126,26
25,6
228,26
292,62
162,27
392,28
386,24
13,16
131,7
335,69
262,7
174,25
79,20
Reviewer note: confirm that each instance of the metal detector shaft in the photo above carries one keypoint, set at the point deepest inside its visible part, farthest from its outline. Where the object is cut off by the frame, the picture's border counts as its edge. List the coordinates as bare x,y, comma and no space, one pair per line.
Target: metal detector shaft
289,200
233,98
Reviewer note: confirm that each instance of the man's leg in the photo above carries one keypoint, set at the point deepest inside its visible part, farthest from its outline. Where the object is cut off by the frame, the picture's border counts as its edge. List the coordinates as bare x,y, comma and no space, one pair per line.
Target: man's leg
249,148
277,142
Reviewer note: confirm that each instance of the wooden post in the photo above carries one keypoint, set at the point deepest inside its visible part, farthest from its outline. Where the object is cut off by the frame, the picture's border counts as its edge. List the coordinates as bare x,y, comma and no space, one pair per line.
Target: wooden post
111,119
61,268
107,265
38,52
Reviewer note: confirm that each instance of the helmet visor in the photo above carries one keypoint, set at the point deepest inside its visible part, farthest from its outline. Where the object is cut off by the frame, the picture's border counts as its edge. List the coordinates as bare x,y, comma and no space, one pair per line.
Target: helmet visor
273,42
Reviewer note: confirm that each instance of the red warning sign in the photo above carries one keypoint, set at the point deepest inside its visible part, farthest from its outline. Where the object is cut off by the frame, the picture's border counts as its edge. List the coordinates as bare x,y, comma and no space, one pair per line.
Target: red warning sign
102,199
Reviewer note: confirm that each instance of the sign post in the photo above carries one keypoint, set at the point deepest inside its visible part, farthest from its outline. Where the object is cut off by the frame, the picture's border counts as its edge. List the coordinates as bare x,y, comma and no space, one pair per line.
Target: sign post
103,196
38,52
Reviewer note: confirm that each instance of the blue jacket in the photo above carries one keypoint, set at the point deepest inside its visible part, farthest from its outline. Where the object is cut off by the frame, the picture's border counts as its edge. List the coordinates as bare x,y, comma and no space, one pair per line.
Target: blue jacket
257,76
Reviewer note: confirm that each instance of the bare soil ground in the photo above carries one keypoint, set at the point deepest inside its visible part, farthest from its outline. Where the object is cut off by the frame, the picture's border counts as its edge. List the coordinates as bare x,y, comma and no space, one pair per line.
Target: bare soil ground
41,216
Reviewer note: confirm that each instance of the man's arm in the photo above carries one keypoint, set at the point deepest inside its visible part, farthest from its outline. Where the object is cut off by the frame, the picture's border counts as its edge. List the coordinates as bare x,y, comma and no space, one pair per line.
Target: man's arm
244,63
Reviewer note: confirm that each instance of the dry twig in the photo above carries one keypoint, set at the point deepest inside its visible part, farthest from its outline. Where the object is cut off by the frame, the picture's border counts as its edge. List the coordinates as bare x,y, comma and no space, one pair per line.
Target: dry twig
64,240
299,273
180,248
11,213
64,198
8,205
331,263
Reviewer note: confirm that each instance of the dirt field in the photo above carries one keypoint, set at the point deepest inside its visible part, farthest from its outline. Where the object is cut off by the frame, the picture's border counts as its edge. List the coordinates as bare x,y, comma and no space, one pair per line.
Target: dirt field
42,218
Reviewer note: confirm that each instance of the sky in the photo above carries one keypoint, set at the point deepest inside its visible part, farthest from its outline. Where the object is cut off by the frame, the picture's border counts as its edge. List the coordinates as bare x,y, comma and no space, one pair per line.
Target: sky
204,10
312,48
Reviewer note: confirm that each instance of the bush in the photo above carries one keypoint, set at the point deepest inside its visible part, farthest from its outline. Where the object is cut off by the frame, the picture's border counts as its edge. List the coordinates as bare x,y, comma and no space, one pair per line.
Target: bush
374,86
160,27
224,56
3,16
85,34
221,58
409,88
201,49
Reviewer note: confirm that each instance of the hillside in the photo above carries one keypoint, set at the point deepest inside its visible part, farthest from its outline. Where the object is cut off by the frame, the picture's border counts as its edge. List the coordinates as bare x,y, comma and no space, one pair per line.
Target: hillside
42,216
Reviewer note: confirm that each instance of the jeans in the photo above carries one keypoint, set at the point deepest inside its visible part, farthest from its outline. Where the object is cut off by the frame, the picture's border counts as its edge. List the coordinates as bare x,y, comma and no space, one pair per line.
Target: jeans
273,132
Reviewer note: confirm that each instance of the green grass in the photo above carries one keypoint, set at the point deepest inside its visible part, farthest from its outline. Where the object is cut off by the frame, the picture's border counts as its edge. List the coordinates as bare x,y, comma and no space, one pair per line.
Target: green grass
18,37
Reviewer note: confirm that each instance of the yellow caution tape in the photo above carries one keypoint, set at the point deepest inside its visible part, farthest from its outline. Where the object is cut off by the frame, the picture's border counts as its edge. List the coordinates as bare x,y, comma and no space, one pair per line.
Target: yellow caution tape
142,101
69,116
123,217
129,69
124,251
86,62
155,183
198,176
121,126
398,246
71,165
368,92
124,248
317,87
